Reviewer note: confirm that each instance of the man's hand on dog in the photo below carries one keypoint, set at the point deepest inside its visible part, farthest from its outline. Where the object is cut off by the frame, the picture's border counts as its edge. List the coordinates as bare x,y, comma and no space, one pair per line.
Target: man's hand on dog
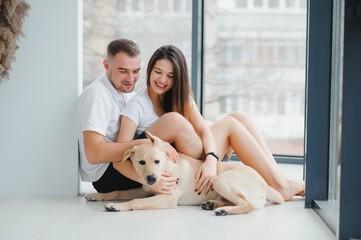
166,184
172,154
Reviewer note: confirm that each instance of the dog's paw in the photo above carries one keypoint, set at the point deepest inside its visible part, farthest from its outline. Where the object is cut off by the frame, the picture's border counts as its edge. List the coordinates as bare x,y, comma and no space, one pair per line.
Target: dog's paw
221,212
208,205
94,197
109,207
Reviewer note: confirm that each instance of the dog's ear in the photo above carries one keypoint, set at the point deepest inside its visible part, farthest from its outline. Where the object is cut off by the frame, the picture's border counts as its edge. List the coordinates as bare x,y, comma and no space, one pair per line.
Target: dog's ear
155,140
128,153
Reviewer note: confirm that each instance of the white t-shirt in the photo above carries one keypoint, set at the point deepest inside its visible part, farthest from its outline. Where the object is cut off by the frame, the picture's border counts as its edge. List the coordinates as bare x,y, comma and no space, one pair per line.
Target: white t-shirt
98,109
140,110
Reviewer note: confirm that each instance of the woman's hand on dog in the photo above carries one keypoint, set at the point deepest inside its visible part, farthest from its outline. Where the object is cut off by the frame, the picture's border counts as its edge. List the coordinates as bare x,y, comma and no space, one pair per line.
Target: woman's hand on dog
206,173
166,184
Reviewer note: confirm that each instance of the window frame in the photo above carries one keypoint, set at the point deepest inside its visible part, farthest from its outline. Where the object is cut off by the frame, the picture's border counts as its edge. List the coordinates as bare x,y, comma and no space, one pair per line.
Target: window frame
344,221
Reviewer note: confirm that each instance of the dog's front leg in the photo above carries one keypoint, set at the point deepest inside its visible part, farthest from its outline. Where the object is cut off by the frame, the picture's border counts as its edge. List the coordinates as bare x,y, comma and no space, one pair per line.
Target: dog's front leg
160,201
118,195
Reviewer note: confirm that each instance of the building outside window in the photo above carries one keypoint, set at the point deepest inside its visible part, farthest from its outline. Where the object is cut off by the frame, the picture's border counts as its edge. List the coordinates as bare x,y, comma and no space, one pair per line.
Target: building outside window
254,61
150,23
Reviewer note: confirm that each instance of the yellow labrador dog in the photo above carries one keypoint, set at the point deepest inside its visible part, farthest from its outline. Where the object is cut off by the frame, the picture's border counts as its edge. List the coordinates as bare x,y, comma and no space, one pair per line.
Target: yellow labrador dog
237,187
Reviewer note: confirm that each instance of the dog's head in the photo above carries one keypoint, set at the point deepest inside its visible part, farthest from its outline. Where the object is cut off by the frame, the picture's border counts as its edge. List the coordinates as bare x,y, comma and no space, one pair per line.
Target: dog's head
149,159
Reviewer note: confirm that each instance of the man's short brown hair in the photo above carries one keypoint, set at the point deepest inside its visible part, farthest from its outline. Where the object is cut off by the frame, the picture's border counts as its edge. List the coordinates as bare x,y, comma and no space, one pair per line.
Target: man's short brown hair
122,45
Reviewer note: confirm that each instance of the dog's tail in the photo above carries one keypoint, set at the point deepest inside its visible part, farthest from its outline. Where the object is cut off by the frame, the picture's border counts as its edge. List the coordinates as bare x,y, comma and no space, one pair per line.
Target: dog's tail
274,196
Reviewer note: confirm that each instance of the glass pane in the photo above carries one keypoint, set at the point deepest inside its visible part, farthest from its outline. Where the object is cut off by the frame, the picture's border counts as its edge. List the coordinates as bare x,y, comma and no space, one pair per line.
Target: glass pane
255,62
150,23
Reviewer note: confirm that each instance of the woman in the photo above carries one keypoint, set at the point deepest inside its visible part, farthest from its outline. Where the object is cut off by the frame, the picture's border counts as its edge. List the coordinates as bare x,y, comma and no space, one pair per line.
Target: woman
168,90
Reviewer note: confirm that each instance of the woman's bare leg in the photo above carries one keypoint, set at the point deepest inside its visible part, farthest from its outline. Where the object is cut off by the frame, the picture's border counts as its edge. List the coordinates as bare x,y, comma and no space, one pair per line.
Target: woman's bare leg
230,133
246,121
175,129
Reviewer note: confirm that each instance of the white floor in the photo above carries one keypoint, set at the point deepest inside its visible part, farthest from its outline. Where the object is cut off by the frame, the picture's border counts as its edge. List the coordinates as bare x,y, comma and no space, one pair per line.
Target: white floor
75,218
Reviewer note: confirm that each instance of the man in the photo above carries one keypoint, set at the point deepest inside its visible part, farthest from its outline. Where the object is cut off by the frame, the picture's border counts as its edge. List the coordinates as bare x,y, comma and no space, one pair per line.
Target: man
98,114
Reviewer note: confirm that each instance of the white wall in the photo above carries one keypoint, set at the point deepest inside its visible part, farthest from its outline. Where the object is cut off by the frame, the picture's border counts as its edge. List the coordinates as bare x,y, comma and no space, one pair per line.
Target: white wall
38,148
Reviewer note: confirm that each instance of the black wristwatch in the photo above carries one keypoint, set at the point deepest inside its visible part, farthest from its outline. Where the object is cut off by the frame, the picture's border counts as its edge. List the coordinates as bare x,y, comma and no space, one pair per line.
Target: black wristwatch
213,154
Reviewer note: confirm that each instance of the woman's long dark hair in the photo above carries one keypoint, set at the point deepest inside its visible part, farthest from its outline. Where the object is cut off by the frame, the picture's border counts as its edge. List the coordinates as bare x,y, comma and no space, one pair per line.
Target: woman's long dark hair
177,99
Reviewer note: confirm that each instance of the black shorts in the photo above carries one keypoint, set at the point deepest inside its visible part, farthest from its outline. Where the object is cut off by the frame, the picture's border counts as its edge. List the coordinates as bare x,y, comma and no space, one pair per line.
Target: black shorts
141,136
112,180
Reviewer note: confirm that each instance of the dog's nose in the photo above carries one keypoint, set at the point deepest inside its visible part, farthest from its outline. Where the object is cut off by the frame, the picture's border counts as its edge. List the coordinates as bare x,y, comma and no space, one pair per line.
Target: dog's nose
151,179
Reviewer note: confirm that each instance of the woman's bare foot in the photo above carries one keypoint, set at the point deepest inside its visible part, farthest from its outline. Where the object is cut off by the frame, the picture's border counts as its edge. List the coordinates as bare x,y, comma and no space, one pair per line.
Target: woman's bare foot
302,194
292,188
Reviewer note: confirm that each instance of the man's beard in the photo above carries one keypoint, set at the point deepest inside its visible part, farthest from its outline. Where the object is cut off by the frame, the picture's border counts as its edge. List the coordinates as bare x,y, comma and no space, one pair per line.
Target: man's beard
120,88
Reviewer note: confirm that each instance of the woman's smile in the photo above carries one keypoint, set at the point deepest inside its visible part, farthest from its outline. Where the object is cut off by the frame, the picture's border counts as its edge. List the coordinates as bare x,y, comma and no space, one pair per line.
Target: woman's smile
160,85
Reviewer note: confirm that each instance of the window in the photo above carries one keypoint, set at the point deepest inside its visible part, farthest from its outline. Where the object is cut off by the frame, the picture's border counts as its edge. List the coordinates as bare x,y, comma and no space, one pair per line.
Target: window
135,19
255,62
